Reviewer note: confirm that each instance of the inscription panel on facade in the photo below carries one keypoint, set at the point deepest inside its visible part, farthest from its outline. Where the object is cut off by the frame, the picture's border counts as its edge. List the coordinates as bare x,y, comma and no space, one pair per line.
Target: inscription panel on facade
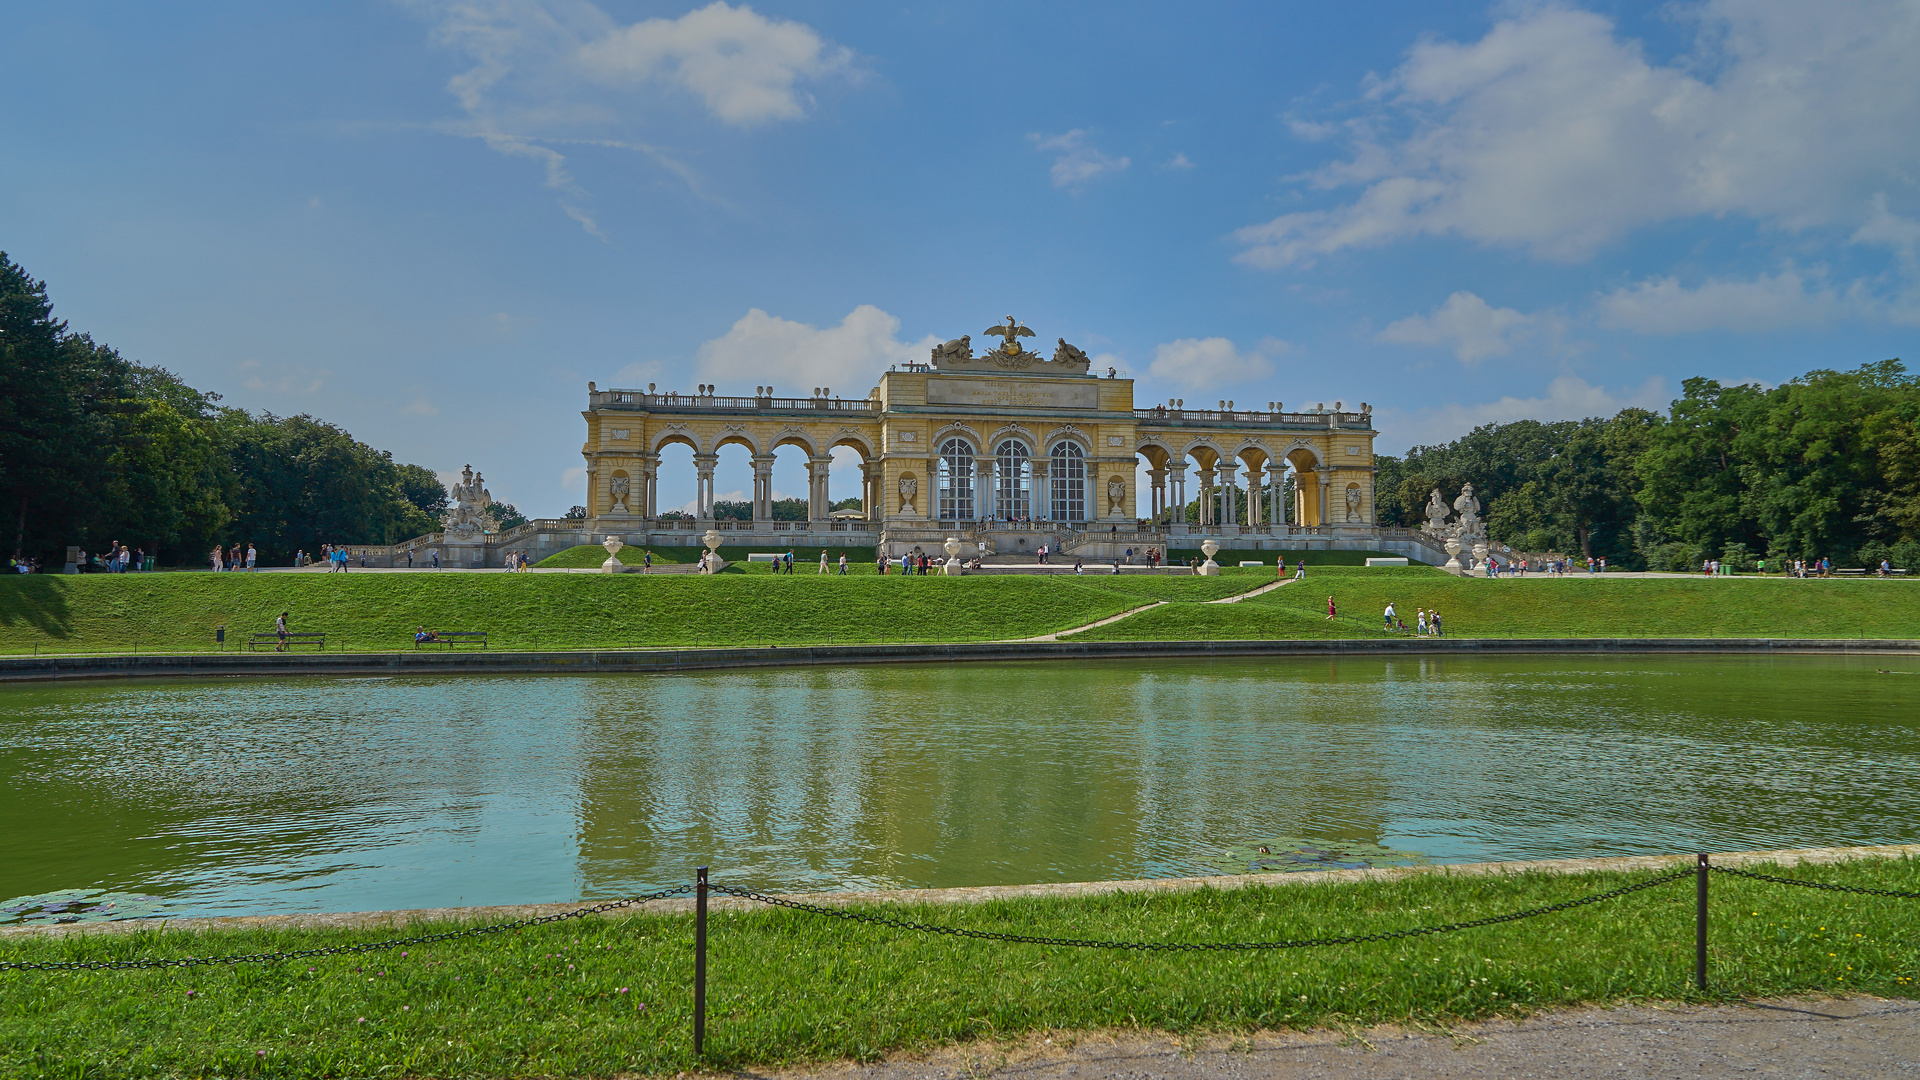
1014,393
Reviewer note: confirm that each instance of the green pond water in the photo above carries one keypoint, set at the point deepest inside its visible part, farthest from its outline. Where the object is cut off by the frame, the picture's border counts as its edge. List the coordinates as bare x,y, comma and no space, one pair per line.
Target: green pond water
350,794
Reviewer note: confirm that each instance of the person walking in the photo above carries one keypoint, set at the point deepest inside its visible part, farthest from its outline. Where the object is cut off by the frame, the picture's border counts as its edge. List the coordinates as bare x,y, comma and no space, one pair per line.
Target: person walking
843,564
280,631
1331,609
823,560
253,559
1300,569
1433,622
1420,622
409,558
1389,615
213,560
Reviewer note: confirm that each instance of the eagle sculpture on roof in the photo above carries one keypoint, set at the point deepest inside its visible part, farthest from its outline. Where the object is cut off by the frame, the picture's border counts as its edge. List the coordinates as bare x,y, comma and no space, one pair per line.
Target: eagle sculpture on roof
1013,331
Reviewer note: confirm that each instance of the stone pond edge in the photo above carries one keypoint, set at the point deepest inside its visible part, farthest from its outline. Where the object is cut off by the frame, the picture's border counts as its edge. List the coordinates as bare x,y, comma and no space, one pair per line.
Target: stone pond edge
658,661
371,920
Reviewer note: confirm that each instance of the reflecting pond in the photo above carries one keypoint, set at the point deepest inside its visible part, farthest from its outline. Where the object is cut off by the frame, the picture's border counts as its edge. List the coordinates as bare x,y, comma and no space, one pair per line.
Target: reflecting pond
350,794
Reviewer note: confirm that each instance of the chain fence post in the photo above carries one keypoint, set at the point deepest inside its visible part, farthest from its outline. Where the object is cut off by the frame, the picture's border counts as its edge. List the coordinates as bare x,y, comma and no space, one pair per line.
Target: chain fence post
1700,925
700,961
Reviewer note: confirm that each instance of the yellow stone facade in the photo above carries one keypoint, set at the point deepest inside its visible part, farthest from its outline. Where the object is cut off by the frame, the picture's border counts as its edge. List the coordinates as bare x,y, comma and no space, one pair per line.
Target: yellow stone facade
1005,440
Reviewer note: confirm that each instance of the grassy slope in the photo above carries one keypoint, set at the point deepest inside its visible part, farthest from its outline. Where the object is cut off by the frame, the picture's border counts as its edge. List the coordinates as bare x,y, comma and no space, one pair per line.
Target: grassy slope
153,612
591,556
788,987
1575,606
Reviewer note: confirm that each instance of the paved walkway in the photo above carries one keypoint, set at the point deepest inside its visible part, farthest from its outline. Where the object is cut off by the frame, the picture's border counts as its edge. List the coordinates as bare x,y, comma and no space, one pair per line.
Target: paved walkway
1854,1037
1055,636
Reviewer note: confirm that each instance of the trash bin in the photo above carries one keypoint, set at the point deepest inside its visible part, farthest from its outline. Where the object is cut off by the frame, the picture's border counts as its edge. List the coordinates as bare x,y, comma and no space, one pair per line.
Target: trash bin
219,635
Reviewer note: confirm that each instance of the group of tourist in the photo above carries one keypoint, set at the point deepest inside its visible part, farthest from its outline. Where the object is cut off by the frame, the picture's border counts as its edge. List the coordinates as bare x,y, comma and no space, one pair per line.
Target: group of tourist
518,561
1425,624
911,562
117,559
24,566
233,559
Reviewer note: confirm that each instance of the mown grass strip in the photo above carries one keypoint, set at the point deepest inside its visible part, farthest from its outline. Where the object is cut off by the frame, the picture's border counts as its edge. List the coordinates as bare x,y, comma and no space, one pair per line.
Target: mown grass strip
1573,606
179,612
593,997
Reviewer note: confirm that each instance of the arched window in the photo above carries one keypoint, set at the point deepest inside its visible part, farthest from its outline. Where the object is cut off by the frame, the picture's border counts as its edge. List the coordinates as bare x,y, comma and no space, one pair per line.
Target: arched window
1013,491
1069,482
956,480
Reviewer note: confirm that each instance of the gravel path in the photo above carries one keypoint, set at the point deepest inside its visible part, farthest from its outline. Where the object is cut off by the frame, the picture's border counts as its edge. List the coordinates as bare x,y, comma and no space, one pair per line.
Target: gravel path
1854,1037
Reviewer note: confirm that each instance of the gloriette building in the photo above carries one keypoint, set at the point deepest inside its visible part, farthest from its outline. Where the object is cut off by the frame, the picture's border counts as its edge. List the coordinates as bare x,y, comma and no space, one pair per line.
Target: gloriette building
1010,448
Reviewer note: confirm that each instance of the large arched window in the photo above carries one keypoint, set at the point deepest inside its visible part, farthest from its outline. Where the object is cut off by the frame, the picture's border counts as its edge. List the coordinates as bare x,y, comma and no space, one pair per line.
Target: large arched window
1013,489
1069,473
956,480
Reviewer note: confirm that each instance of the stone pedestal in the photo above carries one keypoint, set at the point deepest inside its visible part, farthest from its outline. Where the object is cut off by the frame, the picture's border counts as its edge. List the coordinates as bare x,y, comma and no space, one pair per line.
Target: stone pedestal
1209,568
1453,556
1480,552
715,563
613,544
953,566
463,554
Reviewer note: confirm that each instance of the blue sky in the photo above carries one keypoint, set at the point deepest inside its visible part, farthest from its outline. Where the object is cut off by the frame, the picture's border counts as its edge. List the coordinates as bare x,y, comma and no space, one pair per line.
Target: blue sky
433,223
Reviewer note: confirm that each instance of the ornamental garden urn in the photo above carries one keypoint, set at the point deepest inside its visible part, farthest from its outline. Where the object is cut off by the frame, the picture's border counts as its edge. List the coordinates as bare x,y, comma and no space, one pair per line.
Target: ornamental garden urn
613,544
952,568
715,563
1209,568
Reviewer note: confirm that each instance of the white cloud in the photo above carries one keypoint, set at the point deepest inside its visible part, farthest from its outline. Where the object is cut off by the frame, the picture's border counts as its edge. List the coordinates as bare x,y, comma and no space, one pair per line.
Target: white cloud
1554,134
1215,362
1884,228
1664,306
420,407
743,65
550,73
1472,328
1568,397
281,378
1179,161
847,358
1077,160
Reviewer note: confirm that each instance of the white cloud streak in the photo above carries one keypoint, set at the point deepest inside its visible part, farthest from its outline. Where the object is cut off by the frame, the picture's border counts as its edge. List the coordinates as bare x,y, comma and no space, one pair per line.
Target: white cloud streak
1076,160
1212,363
551,73
1555,135
1474,329
1568,397
1665,306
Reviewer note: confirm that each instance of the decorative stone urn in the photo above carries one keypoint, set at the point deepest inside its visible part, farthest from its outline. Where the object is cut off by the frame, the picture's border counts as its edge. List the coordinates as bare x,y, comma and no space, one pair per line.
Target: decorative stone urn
953,567
1481,550
715,563
1209,568
1453,556
613,544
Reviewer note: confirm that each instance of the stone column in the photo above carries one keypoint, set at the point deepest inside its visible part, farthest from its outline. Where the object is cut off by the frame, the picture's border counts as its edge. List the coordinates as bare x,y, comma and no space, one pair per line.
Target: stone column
1253,496
1157,493
1040,497
869,482
1178,481
1206,497
593,490
648,497
1228,514
703,485
817,498
1326,507
762,487
986,495
1302,484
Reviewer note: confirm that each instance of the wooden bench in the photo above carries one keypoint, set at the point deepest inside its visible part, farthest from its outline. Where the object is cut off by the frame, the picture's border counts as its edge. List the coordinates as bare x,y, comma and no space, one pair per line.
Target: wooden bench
451,638
315,638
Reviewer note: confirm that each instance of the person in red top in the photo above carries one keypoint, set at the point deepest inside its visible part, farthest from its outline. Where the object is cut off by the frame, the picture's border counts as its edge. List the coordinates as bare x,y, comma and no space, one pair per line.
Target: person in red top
1331,610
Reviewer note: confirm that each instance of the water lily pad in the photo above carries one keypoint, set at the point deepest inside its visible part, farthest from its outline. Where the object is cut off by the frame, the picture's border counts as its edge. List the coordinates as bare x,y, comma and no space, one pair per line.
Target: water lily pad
1293,855
78,906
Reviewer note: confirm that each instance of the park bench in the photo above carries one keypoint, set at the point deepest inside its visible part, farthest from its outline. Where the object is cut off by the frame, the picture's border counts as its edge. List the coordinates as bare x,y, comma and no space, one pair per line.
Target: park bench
451,638
315,638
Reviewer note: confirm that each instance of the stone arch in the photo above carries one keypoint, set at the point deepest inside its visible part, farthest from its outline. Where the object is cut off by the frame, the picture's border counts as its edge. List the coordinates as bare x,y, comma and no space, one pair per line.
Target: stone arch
737,436
1068,433
670,436
1316,460
1015,431
964,431
794,437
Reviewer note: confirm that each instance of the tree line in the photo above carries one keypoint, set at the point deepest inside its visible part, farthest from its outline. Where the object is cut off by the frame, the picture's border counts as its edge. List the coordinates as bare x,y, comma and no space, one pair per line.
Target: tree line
1825,465
96,448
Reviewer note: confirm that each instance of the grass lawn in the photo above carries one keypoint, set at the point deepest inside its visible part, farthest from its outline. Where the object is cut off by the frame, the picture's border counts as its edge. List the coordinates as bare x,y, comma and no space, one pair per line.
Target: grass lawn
1573,606
591,556
592,998
178,612
1228,558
